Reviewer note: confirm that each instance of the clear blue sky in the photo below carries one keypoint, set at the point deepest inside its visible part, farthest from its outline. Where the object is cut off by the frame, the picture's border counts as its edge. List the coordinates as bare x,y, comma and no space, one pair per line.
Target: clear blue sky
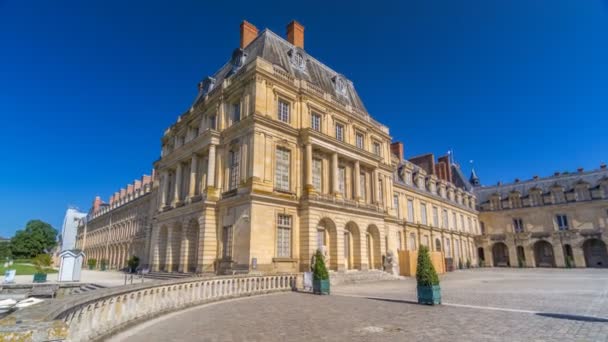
87,87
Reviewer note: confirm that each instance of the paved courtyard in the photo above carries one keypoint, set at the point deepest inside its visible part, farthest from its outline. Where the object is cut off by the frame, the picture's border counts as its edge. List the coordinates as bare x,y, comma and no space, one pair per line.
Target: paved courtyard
479,305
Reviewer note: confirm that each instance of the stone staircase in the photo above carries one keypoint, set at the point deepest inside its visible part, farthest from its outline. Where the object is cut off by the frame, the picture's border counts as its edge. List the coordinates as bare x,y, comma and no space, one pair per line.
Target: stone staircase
169,275
87,288
355,277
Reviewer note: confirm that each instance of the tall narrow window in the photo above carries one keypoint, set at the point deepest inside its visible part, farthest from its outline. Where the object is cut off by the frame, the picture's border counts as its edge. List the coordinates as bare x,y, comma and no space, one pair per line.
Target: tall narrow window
212,122
423,217
435,217
340,132
562,222
233,181
284,236
377,149
518,225
444,219
461,222
380,191
408,178
412,242
469,226
399,241
315,122
227,242
284,111
320,237
396,205
410,210
282,169
362,186
455,221
317,171
359,140
482,226
342,180
236,112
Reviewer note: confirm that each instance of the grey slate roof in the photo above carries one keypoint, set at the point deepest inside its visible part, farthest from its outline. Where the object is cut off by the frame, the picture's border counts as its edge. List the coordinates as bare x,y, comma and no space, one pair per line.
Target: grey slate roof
276,50
567,181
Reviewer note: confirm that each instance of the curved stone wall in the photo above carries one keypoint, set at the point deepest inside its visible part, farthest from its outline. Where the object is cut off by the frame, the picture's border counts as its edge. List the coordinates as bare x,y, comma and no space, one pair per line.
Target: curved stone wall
104,312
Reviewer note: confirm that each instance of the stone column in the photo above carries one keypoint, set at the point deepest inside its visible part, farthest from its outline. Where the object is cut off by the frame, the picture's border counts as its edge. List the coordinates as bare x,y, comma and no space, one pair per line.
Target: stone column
308,152
374,187
211,167
334,173
165,189
357,181
558,253
193,175
178,184
579,256
169,251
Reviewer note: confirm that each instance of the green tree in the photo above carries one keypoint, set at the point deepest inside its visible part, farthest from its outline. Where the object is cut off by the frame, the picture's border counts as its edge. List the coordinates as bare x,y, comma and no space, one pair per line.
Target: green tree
5,251
38,237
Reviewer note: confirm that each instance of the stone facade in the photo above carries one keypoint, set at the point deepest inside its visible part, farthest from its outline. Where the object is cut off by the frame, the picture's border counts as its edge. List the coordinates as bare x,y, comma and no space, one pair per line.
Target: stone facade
278,157
558,221
117,230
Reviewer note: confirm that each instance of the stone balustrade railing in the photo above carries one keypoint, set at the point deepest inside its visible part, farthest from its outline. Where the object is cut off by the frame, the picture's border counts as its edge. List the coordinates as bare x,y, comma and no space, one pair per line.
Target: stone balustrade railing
103,312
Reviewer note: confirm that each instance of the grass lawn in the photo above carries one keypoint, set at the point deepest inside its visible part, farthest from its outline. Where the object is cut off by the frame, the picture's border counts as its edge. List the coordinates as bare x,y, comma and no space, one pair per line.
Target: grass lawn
24,269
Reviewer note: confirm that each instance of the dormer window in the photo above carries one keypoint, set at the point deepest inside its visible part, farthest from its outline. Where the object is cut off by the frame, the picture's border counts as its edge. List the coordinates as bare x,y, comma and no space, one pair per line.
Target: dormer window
297,59
340,85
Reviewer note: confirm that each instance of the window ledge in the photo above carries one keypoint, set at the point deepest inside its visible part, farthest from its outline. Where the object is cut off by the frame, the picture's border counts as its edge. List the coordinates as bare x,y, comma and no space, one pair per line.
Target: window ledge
284,259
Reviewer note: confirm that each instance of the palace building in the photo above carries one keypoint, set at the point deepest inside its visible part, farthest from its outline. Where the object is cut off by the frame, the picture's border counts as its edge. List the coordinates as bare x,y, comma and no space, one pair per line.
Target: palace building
278,157
557,221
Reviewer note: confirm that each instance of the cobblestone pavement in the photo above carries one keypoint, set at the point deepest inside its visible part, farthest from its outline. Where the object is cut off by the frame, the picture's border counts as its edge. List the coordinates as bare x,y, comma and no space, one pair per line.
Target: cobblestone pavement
483,305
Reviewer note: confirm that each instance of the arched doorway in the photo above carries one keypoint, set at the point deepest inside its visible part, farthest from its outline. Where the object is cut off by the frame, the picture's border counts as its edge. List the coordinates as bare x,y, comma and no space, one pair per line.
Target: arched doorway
521,256
500,255
327,241
176,247
543,254
481,256
161,248
352,246
595,253
568,256
374,254
191,246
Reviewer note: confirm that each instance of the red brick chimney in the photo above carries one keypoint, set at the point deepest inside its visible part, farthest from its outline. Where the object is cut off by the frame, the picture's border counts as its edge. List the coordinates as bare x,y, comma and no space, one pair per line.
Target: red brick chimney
397,149
295,34
248,33
97,204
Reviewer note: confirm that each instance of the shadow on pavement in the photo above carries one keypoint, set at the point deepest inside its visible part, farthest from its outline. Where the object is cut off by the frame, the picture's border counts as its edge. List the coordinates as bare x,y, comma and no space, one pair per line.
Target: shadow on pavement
573,317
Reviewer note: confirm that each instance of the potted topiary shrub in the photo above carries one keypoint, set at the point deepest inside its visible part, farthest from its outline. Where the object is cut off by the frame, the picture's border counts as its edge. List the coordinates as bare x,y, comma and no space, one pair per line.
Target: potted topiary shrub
42,262
428,288
460,264
468,263
92,263
103,264
133,262
320,281
569,262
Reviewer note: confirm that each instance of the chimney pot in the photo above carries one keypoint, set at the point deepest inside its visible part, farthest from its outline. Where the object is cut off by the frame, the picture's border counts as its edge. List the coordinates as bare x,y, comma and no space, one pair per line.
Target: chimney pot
535,177
516,180
580,169
295,34
248,33
556,173
603,166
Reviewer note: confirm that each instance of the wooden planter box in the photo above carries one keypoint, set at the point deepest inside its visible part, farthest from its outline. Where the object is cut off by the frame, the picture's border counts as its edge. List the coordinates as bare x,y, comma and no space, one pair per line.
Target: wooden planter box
430,295
320,286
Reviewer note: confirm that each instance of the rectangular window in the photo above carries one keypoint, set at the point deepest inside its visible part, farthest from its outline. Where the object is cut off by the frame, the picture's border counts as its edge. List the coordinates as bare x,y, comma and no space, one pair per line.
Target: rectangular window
236,112
317,172
362,186
518,225
483,227
444,219
234,169
284,236
284,111
227,242
320,238
396,205
282,169
340,132
423,218
462,222
435,217
212,122
454,221
469,227
359,140
315,122
410,210
342,180
408,178
562,222
380,191
413,242
377,149
399,241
